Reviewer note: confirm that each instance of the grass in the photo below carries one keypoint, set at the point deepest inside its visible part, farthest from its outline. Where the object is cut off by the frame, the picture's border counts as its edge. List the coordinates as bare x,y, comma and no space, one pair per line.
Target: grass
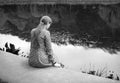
101,72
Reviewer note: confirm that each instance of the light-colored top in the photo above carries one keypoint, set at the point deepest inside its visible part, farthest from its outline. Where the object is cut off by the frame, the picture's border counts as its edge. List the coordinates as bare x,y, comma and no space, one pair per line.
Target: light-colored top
40,48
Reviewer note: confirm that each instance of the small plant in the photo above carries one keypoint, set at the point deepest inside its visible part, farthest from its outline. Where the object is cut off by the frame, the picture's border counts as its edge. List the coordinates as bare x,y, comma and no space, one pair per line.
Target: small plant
112,75
101,72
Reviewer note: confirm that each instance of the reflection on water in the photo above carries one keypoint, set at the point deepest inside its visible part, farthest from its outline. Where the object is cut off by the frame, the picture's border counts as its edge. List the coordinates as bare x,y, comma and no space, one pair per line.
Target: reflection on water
74,57
77,37
91,26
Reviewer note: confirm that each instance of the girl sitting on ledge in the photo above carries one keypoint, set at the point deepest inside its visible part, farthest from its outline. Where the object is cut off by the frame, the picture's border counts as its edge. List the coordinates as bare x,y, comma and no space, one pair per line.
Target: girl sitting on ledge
41,53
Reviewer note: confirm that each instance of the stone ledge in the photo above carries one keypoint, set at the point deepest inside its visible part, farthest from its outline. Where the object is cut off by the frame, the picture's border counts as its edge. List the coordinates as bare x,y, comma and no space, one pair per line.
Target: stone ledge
14,69
6,2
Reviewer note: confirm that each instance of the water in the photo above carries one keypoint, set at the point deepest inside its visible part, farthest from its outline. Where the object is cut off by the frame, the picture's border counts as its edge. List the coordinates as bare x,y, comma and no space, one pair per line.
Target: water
82,38
74,57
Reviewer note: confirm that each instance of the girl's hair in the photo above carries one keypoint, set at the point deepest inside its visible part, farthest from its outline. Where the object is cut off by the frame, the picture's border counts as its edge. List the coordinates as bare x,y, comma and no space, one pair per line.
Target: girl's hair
45,20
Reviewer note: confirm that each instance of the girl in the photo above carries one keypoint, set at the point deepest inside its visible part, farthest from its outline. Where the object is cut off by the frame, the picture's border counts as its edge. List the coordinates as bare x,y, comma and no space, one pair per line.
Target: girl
41,53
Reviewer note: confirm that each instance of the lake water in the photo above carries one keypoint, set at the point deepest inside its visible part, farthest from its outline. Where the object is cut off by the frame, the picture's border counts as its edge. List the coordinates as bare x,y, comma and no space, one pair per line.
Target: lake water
74,57
82,38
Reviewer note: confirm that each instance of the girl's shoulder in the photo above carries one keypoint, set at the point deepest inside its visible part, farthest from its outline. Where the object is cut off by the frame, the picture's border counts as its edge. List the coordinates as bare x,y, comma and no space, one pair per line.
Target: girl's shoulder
40,32
33,30
43,34
46,32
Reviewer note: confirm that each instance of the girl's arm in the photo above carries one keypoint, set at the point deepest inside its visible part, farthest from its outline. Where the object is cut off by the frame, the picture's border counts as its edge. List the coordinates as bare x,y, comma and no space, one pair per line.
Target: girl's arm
48,43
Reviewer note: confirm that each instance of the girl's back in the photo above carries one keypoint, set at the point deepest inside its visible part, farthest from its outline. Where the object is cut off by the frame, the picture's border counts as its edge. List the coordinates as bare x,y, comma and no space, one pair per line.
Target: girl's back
38,56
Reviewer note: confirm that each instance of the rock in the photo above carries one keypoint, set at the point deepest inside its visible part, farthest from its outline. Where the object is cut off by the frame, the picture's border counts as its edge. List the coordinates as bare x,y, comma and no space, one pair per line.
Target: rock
15,69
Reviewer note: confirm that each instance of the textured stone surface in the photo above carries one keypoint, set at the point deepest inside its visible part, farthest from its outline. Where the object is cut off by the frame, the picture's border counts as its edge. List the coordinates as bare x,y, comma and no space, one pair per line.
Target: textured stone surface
14,69
2,2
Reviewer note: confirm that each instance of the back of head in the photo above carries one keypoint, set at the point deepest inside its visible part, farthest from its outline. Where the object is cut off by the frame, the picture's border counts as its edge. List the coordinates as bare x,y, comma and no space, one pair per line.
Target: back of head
45,20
